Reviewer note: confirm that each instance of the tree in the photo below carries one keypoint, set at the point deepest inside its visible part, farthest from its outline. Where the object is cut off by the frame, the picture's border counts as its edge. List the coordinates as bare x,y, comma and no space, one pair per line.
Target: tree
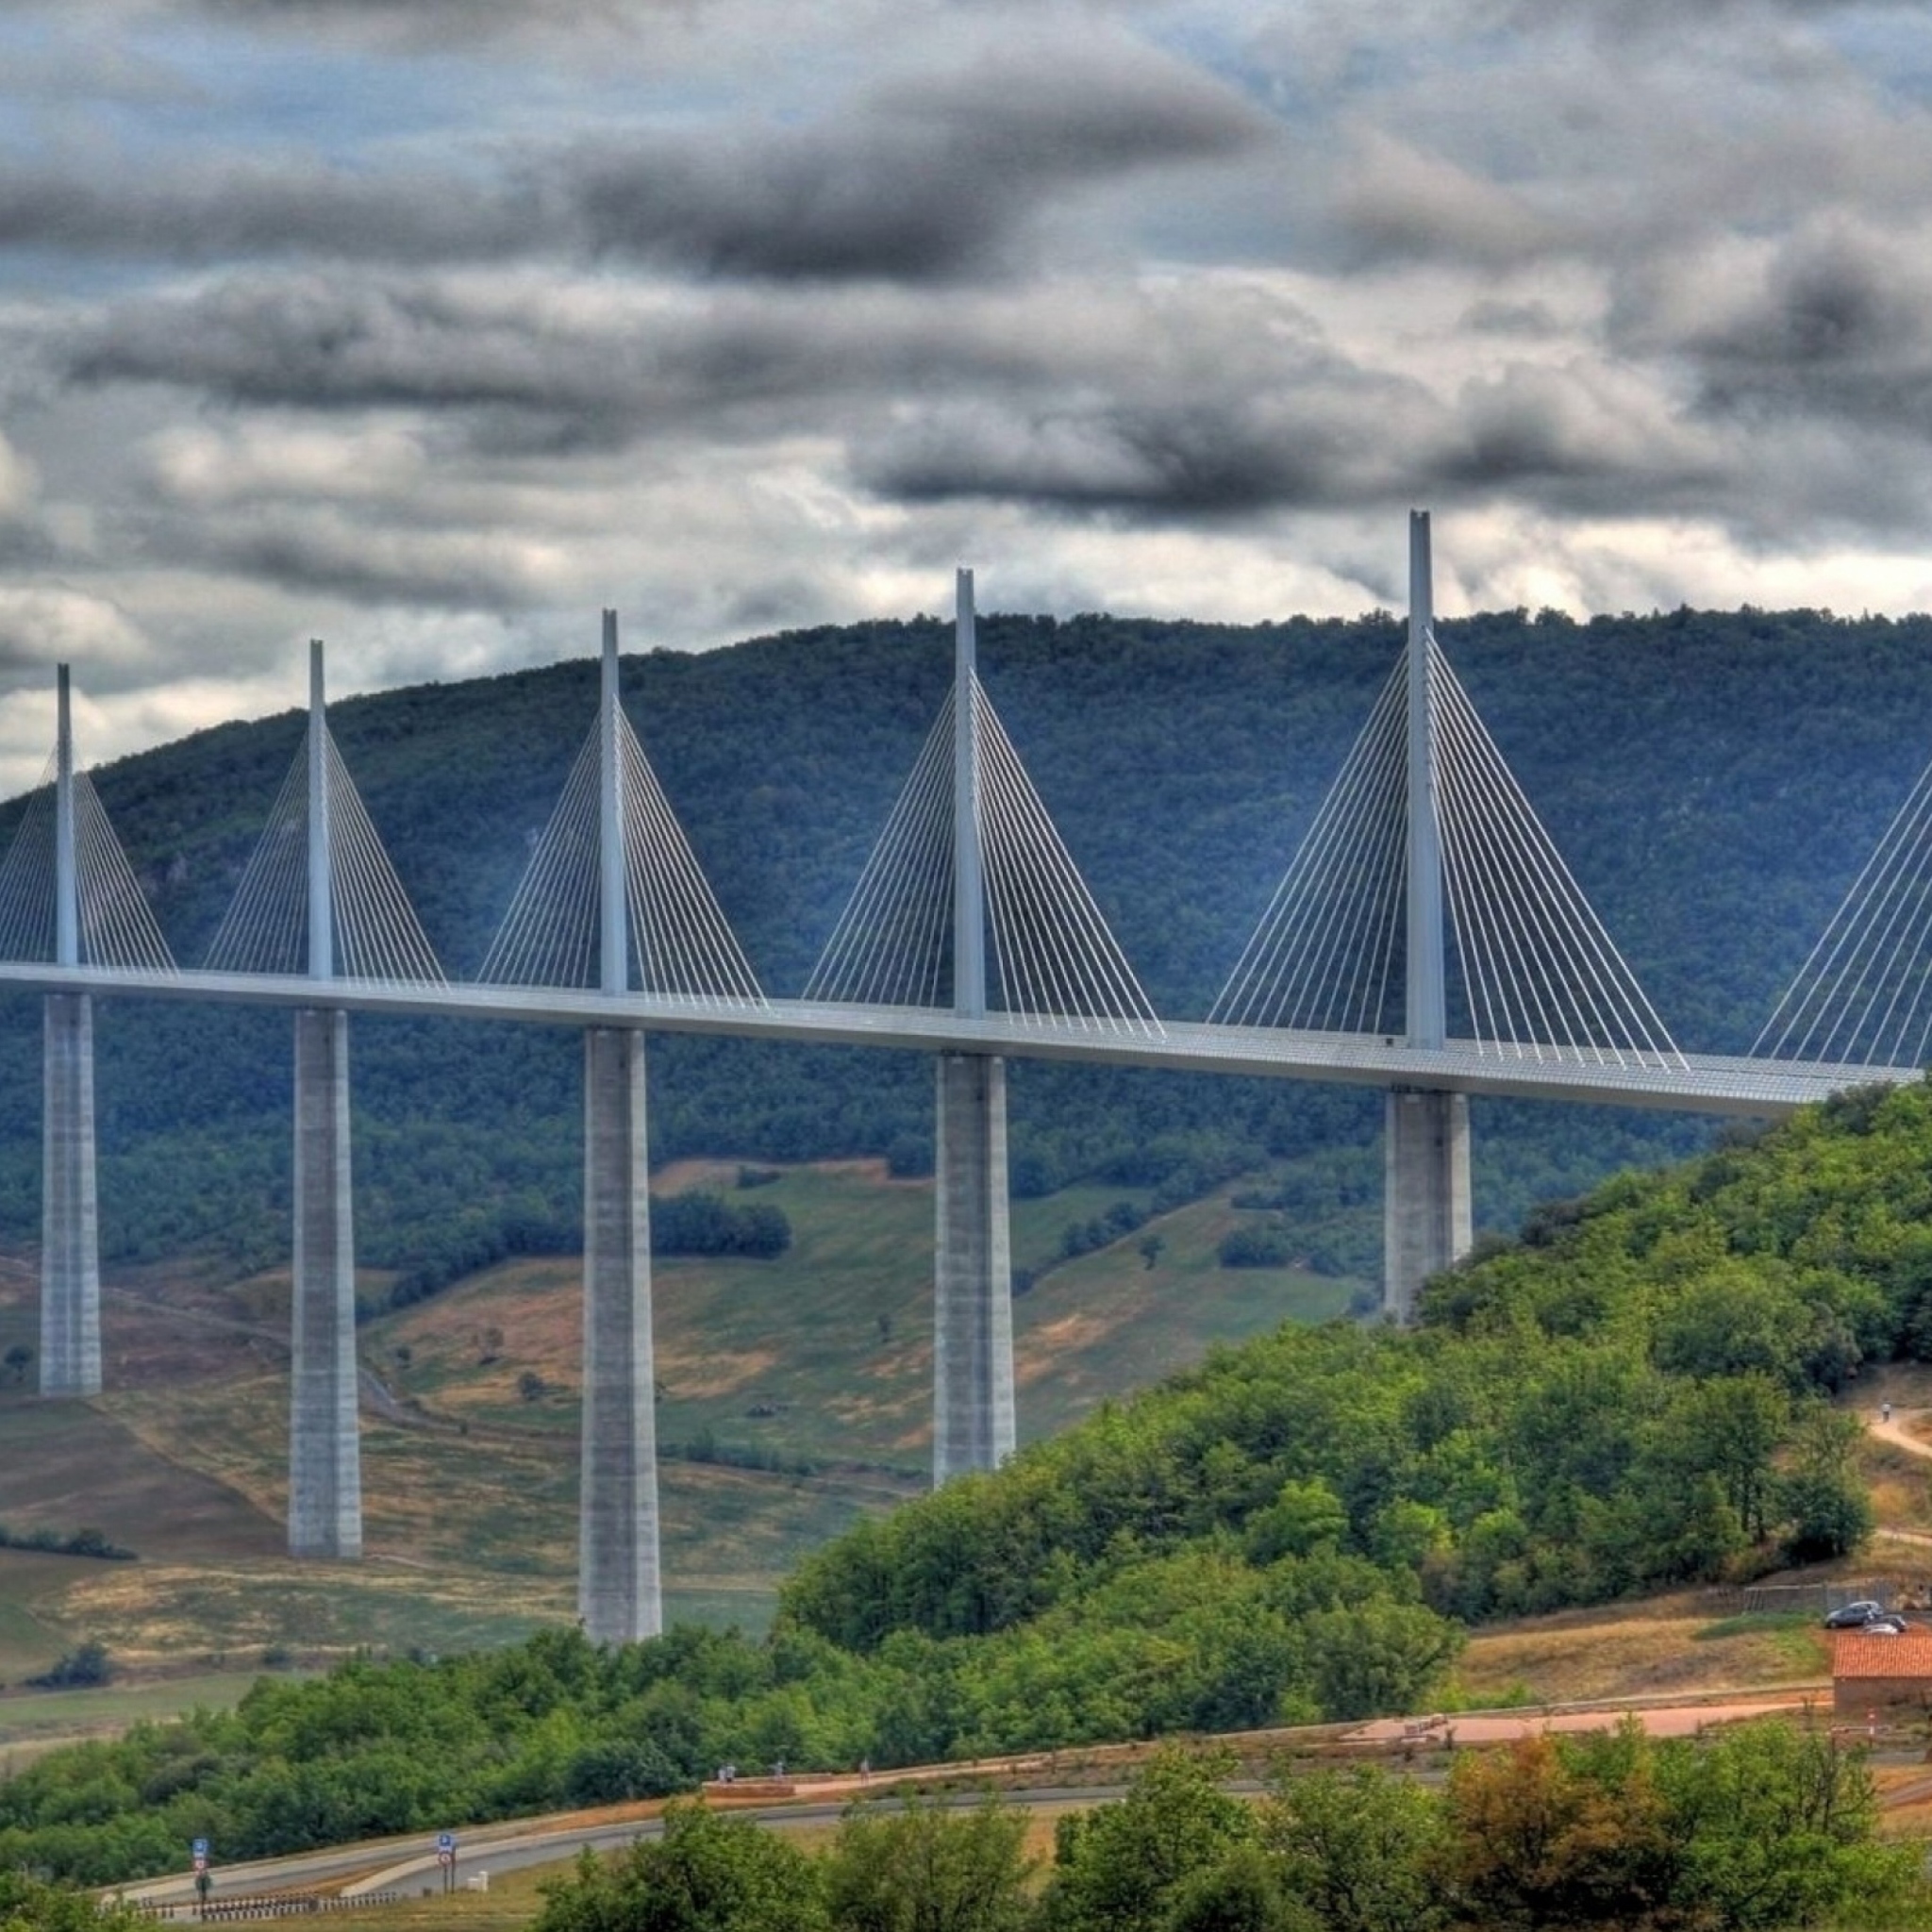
706,1874
20,1358
1538,1836
925,1869
1776,1826
1120,1867
1152,1247
30,1905
1379,1658
1359,1848
1828,1514
1241,1892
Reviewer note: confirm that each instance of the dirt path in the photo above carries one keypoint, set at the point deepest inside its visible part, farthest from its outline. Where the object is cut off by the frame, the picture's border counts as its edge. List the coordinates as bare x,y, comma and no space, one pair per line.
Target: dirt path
1896,1429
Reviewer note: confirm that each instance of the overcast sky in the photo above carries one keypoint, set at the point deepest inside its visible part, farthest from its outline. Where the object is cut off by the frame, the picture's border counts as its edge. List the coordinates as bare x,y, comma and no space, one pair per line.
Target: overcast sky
432,326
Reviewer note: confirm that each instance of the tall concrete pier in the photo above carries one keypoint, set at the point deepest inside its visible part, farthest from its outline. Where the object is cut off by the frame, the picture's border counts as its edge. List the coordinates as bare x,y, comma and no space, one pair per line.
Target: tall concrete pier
973,1322
70,1240
324,1449
973,1298
325,1452
1425,1213
619,1589
70,1224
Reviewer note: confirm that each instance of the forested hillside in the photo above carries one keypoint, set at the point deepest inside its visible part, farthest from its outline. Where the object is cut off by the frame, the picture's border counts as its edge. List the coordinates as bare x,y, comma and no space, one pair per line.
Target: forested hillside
1302,1527
1713,780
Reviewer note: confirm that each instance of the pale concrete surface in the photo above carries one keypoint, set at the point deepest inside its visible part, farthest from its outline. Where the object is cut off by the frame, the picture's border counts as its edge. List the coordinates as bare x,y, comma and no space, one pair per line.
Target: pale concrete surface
973,1424
69,1222
1426,1199
619,1591
325,1452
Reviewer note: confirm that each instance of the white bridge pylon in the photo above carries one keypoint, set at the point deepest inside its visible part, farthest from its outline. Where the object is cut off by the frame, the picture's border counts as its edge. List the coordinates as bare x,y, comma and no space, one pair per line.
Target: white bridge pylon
319,894
67,892
613,838
1426,809
969,850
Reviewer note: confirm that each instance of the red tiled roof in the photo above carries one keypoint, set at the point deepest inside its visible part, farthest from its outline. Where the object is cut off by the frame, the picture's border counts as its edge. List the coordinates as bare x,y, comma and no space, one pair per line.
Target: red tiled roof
1857,1655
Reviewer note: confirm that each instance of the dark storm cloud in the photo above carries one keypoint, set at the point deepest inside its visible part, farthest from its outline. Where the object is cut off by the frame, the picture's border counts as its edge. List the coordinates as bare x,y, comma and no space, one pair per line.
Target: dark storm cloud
1271,432
1837,328
1840,301
227,210
314,342
923,178
362,565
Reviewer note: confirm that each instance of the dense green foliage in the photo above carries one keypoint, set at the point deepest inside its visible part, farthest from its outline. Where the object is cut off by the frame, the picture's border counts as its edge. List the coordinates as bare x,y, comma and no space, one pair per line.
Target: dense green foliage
1714,782
1635,1394
1762,1827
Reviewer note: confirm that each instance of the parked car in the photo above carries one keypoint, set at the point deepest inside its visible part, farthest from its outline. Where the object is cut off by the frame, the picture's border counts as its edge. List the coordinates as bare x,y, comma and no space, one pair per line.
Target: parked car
1855,1616
1884,1627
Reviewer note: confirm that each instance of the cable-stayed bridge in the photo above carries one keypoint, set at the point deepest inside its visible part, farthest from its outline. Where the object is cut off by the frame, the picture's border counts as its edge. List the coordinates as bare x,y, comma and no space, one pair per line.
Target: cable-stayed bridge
1427,939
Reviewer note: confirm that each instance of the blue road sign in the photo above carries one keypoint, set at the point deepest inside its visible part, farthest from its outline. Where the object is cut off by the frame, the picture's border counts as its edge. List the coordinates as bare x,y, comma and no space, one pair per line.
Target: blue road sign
199,1848
445,1841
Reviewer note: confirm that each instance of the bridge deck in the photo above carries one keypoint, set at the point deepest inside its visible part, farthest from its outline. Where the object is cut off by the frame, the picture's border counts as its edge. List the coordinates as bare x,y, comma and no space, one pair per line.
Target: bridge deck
1699,1083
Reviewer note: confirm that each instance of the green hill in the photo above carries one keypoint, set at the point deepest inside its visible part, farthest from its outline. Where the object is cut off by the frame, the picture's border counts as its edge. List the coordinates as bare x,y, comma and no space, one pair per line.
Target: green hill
1637,1393
1714,781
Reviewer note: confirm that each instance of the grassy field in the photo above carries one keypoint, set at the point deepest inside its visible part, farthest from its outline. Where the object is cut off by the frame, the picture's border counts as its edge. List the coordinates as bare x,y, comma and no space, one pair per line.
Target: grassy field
1677,1645
794,1394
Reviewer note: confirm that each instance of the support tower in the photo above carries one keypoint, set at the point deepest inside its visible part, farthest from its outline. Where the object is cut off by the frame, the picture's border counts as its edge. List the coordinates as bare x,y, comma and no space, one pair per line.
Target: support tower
1426,1203
325,1452
972,1312
619,1592
70,1227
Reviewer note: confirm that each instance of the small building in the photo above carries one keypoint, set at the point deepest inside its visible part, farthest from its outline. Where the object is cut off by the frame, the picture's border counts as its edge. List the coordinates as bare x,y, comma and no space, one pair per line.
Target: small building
1886,1676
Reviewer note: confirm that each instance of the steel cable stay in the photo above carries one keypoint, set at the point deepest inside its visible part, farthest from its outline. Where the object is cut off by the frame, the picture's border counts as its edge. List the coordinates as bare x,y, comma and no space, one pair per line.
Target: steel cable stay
1098,985
881,945
1348,970
1844,1001
1037,976
1494,944
1900,940
548,933
368,898
1810,988
1607,1005
1297,952
260,930
26,878
113,909
673,909
375,929
116,926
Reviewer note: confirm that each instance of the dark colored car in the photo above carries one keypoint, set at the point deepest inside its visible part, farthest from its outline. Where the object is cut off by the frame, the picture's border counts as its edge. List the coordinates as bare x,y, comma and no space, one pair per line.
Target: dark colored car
1855,1616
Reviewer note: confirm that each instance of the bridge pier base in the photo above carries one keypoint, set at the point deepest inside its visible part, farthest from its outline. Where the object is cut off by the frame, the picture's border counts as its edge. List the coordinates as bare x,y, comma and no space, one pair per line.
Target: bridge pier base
325,1452
973,1317
70,1227
1426,1211
619,1590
